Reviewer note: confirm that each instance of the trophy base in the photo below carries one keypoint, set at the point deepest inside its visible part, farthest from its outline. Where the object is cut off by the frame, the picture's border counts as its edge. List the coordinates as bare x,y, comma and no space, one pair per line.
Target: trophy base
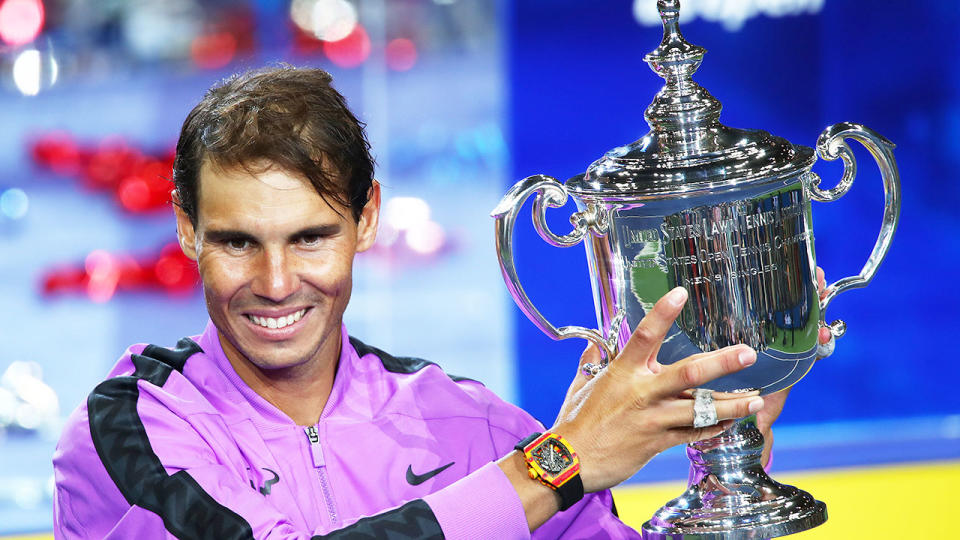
731,497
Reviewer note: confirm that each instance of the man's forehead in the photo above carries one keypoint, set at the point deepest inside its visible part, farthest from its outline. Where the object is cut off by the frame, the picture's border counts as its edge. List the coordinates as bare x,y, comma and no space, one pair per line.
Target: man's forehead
261,192
272,174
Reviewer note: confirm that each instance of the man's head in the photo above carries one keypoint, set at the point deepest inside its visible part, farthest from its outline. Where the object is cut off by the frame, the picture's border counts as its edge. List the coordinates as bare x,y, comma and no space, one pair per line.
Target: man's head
274,197
288,117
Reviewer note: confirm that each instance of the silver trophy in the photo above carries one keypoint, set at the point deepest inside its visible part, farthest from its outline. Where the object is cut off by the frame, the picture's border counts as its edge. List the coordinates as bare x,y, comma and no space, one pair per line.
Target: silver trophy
725,213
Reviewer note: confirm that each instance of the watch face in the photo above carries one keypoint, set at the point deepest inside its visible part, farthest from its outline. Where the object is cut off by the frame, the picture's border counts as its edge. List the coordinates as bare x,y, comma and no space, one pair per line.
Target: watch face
552,456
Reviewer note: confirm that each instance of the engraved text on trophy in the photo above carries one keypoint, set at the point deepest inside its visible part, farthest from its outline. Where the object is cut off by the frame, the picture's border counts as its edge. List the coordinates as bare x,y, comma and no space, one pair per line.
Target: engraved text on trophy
748,266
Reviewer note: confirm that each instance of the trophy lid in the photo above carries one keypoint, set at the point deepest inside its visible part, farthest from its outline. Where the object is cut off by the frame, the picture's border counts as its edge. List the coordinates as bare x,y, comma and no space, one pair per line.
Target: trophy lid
687,148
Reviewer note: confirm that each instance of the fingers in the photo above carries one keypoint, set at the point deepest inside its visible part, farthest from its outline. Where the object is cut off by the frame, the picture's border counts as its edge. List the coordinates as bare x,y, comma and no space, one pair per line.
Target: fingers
724,395
649,334
679,413
695,371
824,336
821,283
692,434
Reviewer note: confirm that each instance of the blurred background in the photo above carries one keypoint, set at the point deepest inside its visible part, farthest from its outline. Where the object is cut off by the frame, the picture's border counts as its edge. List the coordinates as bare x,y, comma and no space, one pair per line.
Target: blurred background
462,98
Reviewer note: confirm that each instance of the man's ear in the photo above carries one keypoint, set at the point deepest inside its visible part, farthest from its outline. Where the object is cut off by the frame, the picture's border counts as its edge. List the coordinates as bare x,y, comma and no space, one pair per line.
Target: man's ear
369,218
186,234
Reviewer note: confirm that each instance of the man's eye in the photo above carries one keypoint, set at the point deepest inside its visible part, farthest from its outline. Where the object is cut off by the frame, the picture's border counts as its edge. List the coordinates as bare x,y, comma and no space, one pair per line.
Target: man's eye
238,244
311,240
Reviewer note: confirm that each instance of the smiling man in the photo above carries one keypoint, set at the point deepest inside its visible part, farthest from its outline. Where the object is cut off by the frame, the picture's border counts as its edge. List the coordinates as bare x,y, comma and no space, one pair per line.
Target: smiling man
274,423
276,261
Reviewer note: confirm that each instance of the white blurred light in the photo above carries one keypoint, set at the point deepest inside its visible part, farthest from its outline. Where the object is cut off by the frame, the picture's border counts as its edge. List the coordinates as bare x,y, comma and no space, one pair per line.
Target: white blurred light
329,20
731,13
14,203
387,235
162,29
301,12
426,238
26,401
28,495
8,406
33,71
405,213
333,20
104,276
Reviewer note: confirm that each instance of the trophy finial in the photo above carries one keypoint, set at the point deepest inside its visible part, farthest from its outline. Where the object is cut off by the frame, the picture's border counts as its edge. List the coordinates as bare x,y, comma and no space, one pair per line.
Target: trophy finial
683,112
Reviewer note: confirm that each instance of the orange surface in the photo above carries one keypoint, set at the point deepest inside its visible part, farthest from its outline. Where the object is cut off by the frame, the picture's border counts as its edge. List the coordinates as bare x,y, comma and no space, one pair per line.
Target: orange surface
876,503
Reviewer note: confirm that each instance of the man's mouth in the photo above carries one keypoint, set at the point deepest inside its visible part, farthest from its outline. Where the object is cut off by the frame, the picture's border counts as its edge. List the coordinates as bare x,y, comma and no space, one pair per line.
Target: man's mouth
276,322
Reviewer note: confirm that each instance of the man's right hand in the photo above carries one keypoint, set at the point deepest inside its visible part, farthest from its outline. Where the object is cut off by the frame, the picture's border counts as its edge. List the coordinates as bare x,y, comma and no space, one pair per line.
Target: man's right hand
635,408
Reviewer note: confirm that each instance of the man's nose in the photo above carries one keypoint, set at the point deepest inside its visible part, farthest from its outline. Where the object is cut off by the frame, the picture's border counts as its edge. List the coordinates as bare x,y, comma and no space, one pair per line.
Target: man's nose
276,277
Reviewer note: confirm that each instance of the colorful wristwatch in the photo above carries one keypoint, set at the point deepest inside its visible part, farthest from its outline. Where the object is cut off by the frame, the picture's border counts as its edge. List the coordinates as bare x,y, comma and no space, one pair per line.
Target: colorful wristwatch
551,460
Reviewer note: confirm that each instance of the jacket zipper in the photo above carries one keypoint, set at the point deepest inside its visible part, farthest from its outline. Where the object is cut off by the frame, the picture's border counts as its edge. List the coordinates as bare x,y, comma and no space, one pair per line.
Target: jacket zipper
316,452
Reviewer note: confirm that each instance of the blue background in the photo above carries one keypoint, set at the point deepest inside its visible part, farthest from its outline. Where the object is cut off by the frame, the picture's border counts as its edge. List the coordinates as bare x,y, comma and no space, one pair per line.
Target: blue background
579,87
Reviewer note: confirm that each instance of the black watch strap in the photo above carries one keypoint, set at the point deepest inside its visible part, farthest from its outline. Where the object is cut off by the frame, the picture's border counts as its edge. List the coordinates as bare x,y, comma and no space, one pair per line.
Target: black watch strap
571,492
522,445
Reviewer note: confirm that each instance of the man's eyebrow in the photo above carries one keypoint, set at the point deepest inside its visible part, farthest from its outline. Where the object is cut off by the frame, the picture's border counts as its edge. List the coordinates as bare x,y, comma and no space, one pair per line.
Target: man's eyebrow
219,236
317,230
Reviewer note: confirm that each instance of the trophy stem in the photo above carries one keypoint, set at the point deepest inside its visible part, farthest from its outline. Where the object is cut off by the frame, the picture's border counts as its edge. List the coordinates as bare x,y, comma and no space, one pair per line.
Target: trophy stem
731,497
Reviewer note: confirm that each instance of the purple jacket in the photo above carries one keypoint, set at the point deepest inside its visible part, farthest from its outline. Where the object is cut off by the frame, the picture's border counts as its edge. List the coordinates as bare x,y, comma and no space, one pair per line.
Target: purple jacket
174,444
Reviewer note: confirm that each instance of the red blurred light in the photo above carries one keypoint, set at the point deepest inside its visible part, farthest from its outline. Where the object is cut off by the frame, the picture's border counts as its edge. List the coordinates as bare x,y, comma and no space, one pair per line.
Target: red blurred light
58,151
134,194
174,270
169,271
109,163
350,51
20,21
213,51
63,279
401,54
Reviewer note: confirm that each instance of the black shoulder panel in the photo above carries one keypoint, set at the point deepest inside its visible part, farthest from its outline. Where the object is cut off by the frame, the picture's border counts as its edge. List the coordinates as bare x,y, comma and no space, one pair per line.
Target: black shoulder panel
175,358
402,364
121,441
413,520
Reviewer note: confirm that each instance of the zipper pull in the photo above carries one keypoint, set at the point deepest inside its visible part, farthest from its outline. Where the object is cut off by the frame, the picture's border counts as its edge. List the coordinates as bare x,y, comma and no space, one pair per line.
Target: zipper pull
315,451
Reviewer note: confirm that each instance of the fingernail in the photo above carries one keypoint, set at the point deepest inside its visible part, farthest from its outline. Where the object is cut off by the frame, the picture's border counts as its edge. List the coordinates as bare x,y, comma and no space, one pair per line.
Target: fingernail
747,357
677,297
755,405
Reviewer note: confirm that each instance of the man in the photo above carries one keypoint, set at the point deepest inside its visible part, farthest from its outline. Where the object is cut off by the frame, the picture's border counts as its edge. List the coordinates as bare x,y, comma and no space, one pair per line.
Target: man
274,423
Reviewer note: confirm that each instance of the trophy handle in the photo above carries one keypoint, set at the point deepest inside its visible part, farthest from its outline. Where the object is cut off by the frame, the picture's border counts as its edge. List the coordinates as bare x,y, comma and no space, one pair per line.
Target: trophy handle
831,145
550,194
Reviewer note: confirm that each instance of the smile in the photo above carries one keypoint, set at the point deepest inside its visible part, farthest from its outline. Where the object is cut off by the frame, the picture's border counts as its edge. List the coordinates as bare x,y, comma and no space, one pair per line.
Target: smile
278,322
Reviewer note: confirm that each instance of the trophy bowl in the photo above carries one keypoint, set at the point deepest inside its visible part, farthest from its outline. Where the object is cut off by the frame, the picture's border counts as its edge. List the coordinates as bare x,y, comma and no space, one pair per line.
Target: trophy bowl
725,213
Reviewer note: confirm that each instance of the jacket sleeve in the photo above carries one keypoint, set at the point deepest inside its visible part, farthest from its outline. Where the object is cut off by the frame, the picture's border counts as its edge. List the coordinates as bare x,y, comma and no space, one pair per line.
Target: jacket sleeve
137,469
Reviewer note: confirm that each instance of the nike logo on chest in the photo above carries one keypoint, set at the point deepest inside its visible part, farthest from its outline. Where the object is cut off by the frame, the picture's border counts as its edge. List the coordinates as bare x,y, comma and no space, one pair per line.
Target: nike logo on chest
417,479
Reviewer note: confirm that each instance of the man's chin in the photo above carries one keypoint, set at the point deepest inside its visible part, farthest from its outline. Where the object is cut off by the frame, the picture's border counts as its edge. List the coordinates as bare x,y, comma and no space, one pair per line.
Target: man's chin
271,362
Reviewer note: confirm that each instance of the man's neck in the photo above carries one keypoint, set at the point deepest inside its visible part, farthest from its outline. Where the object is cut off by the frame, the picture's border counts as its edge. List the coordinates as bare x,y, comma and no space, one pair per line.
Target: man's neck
300,391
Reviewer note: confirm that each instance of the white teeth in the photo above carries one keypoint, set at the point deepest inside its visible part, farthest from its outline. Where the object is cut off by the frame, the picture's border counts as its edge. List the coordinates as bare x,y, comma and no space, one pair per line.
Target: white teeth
279,322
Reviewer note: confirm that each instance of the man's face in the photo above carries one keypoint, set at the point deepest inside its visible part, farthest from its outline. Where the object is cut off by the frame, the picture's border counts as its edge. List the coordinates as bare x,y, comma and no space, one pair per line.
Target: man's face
276,262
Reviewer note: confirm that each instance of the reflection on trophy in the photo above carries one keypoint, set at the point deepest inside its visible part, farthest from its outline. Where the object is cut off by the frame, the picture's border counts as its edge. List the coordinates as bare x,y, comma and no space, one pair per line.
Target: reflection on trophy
725,213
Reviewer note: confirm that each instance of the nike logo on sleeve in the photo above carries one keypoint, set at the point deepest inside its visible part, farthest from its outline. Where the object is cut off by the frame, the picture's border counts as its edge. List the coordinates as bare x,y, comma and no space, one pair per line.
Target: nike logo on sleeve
417,479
